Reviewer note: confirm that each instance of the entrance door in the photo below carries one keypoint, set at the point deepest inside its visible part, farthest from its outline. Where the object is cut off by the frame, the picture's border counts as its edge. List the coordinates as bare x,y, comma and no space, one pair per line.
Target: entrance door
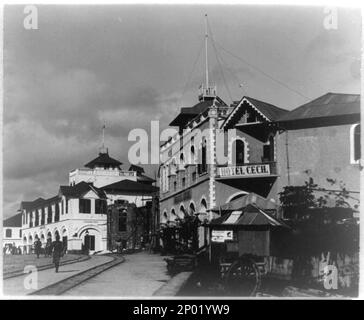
89,242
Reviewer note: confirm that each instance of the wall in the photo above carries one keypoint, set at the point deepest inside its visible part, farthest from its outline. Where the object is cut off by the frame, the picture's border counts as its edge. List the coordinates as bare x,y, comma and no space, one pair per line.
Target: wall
319,153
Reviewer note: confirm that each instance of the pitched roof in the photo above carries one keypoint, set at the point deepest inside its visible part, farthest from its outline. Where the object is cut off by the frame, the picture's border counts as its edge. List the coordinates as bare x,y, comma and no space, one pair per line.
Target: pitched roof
103,160
269,111
131,187
145,179
14,221
136,168
80,189
187,114
251,215
328,105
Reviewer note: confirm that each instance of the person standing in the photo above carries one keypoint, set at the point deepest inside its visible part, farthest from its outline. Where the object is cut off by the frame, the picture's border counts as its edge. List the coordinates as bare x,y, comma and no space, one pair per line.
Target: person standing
57,251
37,247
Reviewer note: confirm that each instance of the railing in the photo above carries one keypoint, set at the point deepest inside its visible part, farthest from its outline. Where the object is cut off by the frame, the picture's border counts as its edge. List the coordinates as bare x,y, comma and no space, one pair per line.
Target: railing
247,170
103,172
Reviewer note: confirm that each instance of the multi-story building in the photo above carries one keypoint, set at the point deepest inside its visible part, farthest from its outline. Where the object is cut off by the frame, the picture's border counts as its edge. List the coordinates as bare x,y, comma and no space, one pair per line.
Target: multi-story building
78,213
270,149
194,179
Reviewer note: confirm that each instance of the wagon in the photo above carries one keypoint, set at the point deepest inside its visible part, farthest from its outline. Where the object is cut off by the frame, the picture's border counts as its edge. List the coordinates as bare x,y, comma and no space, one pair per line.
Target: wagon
241,243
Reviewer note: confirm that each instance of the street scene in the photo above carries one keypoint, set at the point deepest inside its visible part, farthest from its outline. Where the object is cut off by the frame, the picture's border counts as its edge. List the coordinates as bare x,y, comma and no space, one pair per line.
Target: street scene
181,151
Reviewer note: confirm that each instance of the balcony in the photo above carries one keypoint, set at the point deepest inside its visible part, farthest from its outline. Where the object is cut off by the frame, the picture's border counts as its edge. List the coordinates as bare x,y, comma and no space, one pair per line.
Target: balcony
249,170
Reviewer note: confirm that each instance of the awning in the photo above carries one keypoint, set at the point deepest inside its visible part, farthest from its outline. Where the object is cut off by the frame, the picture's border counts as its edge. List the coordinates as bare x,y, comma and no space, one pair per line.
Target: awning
251,215
251,198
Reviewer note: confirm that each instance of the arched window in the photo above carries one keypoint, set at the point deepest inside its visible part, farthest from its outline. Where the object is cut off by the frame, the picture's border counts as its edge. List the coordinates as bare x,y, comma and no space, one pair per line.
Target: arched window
202,167
355,144
182,212
192,209
239,152
8,233
193,156
203,206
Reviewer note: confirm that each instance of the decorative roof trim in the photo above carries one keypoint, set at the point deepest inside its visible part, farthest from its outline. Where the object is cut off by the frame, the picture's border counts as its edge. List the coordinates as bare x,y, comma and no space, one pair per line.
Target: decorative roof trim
244,99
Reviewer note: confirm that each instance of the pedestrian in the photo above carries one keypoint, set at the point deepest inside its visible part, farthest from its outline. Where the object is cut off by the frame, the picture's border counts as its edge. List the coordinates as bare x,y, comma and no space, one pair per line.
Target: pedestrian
47,251
37,247
57,251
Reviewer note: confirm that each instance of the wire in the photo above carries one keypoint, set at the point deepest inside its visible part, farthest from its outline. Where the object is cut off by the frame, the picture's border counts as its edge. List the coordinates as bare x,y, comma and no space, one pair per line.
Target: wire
256,68
218,60
191,73
264,73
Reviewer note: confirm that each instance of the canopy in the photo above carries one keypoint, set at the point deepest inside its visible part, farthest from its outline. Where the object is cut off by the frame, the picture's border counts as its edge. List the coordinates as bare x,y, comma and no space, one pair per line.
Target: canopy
251,198
251,215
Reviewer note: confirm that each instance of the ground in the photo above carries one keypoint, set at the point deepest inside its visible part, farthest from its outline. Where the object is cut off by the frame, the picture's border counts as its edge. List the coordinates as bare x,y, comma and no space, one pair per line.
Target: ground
14,263
140,275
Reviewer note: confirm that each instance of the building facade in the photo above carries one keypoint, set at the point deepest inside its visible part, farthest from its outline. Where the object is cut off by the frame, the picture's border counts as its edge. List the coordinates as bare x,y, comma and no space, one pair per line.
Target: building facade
78,213
12,234
265,149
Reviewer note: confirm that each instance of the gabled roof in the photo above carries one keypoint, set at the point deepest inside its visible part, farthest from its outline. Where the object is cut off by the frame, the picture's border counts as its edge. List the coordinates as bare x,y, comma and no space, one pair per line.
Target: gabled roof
269,111
103,160
328,105
79,190
14,221
187,114
130,187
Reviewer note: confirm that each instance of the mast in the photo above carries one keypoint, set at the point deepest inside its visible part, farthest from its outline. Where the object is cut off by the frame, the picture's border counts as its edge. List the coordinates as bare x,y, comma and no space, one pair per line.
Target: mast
206,55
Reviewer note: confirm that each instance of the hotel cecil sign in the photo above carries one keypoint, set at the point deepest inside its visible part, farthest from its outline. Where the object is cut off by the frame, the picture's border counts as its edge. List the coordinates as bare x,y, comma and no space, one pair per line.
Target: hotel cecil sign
248,170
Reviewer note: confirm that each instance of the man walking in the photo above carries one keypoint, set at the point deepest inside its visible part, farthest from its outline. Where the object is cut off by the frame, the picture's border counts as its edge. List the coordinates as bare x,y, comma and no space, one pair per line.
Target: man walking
37,247
57,250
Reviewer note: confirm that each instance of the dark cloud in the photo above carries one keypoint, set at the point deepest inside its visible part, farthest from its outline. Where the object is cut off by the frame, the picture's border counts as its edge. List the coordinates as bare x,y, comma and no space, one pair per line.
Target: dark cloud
128,65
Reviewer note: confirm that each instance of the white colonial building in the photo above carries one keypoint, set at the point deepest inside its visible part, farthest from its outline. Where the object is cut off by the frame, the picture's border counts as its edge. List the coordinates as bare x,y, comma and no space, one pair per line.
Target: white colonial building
78,213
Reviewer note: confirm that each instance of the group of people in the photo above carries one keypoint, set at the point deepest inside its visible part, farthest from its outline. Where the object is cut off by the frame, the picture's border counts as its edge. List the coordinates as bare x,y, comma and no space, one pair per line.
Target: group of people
11,248
54,249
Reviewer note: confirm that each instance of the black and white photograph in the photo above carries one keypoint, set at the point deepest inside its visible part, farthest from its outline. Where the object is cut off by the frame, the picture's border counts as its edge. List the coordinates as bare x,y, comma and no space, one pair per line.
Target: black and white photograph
178,151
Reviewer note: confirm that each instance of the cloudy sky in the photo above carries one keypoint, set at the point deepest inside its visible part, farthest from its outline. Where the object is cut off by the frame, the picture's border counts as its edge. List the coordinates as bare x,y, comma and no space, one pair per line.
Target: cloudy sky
132,64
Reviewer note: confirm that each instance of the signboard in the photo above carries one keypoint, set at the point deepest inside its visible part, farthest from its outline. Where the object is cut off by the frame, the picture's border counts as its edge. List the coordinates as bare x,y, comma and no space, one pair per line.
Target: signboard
248,170
221,235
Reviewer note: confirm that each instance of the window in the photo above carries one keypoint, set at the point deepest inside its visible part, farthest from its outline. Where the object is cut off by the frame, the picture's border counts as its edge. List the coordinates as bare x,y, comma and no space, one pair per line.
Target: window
56,214
194,176
31,219
8,233
268,150
193,157
20,233
36,223
174,185
49,216
355,144
239,152
66,200
202,167
100,206
183,182
123,216
85,206
42,220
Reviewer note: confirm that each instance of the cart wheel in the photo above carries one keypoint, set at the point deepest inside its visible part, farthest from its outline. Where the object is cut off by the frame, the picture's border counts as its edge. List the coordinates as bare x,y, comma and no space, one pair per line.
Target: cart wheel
243,277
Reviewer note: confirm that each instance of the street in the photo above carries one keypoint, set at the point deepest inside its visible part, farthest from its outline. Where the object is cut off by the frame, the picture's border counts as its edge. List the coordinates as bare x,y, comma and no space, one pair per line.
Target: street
139,276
